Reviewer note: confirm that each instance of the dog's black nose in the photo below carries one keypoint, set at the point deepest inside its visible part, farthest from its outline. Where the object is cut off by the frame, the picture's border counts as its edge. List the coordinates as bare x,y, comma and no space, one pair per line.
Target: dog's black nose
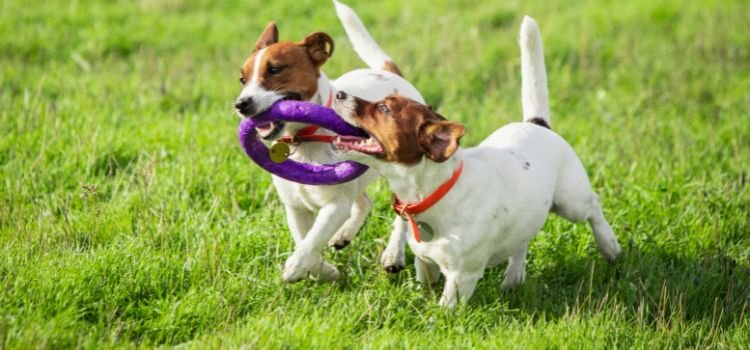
341,95
245,106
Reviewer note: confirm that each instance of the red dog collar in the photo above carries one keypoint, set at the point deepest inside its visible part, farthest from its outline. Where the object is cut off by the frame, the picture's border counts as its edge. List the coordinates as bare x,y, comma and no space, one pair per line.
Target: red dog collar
407,211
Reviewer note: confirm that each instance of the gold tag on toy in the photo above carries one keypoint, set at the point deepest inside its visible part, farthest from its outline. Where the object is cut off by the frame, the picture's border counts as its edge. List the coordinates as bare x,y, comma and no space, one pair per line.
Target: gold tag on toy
425,231
279,152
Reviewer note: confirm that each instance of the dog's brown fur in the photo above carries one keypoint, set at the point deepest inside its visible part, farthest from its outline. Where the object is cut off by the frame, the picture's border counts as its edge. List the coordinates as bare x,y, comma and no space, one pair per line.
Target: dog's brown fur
390,66
288,66
408,130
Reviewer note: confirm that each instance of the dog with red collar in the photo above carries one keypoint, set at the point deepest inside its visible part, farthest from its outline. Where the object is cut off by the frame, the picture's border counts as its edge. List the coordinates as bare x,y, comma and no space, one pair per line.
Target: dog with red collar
317,216
474,208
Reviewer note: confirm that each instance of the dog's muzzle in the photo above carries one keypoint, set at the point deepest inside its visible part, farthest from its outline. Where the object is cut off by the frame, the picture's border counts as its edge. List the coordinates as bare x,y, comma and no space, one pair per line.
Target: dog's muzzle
246,106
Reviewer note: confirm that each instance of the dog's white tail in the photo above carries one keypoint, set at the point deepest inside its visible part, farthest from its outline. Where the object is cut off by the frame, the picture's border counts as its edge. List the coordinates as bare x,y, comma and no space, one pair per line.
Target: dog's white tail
363,43
534,93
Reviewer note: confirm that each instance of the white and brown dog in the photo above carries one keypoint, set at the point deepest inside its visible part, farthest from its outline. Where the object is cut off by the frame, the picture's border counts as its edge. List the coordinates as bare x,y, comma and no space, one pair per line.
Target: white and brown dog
291,70
474,208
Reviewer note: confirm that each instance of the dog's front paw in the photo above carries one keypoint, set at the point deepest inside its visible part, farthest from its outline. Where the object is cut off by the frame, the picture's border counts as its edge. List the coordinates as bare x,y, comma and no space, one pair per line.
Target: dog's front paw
328,273
392,259
297,267
303,265
341,239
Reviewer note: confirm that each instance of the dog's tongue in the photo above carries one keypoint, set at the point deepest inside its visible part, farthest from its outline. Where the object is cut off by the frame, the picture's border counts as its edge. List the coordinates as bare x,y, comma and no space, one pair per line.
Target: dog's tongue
265,128
359,144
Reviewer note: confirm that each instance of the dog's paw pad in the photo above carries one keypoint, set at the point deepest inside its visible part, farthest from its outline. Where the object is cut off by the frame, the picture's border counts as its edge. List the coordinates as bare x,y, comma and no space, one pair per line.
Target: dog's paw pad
341,244
395,268
392,260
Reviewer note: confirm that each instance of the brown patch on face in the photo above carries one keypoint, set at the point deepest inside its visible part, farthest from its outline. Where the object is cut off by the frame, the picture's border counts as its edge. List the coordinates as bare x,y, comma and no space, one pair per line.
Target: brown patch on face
391,66
408,130
287,67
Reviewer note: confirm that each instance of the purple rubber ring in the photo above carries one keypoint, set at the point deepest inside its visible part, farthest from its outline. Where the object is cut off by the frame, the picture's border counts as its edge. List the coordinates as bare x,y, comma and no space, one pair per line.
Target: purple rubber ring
309,174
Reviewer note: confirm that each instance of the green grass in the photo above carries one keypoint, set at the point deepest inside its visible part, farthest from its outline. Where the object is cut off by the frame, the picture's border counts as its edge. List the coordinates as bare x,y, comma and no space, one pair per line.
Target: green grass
129,216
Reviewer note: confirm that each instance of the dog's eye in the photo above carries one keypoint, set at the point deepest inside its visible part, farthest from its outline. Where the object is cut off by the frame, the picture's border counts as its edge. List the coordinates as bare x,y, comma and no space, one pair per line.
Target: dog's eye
243,81
274,70
383,108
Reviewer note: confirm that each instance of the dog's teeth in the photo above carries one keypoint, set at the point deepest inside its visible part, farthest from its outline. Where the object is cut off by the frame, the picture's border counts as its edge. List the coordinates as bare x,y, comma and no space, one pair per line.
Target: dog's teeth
364,145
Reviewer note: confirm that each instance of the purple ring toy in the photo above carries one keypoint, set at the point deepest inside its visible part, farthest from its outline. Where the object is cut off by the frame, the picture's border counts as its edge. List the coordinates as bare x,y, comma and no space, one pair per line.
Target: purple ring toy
309,174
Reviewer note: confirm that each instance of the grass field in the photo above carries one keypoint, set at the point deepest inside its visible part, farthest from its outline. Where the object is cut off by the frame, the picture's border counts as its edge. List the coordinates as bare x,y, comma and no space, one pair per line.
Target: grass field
129,215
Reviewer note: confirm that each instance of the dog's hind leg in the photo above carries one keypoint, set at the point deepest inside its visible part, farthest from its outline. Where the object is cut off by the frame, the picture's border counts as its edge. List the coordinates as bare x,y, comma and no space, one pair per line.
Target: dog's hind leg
605,238
590,210
515,273
393,257
360,208
575,201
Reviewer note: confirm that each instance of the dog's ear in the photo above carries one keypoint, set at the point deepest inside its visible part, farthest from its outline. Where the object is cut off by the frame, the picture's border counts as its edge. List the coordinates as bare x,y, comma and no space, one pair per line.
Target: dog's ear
319,46
269,37
439,139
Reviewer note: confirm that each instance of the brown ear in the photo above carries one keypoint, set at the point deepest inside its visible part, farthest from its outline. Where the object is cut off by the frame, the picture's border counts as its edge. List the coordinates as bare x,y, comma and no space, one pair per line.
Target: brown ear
319,46
269,36
439,139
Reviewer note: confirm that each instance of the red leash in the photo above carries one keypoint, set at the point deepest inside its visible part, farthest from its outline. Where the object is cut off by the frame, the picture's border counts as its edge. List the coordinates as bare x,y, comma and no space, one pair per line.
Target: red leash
307,135
408,211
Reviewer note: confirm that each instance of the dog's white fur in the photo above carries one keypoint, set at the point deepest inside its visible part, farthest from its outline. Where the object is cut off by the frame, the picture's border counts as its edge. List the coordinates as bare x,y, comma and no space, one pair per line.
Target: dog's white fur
341,209
393,256
510,183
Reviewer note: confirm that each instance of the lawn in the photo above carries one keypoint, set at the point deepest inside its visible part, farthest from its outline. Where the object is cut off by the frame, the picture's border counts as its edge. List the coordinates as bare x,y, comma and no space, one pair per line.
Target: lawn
130,217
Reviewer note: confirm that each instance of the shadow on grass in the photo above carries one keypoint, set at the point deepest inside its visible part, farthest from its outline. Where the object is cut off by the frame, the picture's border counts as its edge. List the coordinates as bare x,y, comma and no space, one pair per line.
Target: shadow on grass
647,286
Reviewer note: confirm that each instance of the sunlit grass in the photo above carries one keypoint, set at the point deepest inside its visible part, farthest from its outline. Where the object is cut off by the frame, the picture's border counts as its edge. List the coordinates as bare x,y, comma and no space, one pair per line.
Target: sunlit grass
130,216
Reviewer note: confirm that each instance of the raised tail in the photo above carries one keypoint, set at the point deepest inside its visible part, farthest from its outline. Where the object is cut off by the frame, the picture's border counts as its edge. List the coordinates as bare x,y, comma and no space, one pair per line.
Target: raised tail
363,43
534,93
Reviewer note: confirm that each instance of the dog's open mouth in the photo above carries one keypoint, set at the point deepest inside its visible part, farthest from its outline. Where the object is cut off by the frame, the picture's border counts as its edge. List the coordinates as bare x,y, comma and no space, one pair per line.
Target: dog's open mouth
364,145
272,130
